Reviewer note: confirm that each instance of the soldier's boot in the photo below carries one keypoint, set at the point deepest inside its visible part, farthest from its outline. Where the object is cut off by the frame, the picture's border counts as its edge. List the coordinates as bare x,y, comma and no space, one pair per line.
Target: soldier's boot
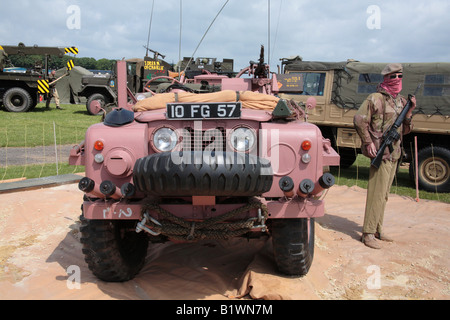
383,237
369,240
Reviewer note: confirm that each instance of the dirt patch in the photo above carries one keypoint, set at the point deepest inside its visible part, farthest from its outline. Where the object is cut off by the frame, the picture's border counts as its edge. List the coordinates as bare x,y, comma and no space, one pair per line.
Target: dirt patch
40,255
9,271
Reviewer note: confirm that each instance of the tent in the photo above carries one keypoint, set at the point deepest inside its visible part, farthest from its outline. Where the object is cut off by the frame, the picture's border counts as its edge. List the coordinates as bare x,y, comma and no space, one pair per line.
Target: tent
69,86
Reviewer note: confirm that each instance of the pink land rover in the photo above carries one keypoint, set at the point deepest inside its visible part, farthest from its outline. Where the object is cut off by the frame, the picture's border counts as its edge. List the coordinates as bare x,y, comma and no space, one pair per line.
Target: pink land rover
183,166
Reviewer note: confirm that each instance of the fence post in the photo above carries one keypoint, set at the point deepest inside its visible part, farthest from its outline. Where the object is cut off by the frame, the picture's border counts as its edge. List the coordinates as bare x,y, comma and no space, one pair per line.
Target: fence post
416,163
56,149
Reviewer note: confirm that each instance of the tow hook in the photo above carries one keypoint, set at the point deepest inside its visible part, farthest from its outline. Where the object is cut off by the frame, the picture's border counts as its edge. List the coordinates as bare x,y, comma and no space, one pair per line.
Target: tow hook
142,227
260,220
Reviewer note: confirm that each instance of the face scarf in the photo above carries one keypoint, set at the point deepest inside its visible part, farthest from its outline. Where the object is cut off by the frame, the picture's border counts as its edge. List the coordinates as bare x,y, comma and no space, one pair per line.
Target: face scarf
392,86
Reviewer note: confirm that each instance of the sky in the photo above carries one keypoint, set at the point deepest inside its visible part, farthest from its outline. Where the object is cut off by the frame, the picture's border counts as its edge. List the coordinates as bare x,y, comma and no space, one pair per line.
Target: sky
320,30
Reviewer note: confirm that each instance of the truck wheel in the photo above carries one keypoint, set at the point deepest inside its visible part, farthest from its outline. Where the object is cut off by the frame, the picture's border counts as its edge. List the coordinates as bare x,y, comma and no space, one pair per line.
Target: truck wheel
17,100
113,250
293,245
90,103
434,169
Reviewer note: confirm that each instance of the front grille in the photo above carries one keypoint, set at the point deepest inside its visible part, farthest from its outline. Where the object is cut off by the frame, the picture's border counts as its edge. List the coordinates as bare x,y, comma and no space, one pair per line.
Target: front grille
201,140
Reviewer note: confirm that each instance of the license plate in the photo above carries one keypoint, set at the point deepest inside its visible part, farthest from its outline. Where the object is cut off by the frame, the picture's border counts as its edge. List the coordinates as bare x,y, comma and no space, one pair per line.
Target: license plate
224,110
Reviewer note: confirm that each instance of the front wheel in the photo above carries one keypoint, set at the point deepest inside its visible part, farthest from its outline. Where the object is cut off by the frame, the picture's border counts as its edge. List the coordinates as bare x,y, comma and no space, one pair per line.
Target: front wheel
95,103
17,100
113,250
293,245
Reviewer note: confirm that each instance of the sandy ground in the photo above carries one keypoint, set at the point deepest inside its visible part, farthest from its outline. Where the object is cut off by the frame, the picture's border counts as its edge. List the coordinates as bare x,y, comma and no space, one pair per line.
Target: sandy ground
40,256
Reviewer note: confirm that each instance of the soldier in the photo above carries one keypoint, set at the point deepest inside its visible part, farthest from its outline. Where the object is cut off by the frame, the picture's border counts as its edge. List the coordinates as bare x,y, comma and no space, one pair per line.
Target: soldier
376,115
53,92
3,59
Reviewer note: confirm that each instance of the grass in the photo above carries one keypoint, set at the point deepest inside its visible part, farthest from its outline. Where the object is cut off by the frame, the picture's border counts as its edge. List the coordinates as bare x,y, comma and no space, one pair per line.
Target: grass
358,174
40,126
37,171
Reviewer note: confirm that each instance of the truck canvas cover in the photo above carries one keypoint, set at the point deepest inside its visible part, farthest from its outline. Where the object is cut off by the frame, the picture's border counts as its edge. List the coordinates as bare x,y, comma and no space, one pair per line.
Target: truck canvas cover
69,86
355,80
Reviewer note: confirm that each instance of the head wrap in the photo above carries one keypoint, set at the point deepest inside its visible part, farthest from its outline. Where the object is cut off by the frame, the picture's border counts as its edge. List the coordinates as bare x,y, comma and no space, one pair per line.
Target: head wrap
392,86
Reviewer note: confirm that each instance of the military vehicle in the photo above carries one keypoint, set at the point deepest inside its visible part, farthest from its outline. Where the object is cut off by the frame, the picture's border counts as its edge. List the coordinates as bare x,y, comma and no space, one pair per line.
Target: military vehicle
184,166
19,91
341,87
100,89
201,65
146,75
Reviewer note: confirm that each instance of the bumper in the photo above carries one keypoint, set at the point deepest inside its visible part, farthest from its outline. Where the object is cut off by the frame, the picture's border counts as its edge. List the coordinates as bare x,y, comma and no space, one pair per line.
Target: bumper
289,209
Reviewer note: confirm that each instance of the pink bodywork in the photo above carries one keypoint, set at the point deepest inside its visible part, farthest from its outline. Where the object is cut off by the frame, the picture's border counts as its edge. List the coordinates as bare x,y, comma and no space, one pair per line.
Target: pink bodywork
279,142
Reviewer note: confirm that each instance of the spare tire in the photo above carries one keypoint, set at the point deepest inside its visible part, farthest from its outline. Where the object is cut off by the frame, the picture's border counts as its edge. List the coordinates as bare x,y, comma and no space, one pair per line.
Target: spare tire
203,174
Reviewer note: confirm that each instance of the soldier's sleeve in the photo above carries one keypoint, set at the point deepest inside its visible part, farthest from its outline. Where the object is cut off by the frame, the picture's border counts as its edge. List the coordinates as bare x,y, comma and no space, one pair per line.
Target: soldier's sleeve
362,119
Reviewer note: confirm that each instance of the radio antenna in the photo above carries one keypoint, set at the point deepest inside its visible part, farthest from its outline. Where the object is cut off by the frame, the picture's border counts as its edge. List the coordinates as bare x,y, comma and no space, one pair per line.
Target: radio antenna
149,28
268,33
193,54
179,41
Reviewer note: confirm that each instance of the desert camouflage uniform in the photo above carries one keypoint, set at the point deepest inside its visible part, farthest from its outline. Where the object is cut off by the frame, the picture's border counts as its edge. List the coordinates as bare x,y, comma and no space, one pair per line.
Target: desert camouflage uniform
375,116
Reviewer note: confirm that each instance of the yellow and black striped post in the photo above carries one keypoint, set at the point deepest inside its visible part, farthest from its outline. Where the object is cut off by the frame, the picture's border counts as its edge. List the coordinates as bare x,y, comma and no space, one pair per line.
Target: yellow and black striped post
73,50
43,86
70,65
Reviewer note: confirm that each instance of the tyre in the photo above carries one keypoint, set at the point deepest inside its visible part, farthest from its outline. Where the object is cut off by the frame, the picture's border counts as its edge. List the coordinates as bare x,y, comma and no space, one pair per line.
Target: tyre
91,106
293,245
199,174
113,250
433,169
17,100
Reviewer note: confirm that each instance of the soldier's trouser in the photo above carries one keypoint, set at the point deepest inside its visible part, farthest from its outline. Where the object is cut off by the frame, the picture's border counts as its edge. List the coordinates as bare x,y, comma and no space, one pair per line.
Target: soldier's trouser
56,96
380,181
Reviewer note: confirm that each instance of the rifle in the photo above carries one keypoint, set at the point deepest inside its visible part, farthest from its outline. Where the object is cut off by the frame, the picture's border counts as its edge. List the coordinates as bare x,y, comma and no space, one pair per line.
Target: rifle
391,135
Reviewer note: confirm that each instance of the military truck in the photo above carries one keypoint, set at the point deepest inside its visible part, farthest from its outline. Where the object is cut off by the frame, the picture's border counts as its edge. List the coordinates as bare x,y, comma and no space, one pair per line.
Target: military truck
181,166
19,91
341,87
201,65
100,89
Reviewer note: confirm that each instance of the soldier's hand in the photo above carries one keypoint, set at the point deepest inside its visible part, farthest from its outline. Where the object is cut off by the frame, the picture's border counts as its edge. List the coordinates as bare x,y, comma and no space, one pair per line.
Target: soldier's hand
413,103
371,150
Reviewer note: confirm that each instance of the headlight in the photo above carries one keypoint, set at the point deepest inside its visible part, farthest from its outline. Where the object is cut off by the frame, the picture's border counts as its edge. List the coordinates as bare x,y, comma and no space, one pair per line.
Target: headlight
242,139
165,139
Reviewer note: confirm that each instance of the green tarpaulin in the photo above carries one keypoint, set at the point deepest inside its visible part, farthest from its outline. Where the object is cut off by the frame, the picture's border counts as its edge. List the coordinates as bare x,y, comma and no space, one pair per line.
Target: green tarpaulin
69,86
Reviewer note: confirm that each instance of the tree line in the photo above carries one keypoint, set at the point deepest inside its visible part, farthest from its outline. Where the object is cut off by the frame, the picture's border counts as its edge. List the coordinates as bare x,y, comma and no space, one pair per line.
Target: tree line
55,63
